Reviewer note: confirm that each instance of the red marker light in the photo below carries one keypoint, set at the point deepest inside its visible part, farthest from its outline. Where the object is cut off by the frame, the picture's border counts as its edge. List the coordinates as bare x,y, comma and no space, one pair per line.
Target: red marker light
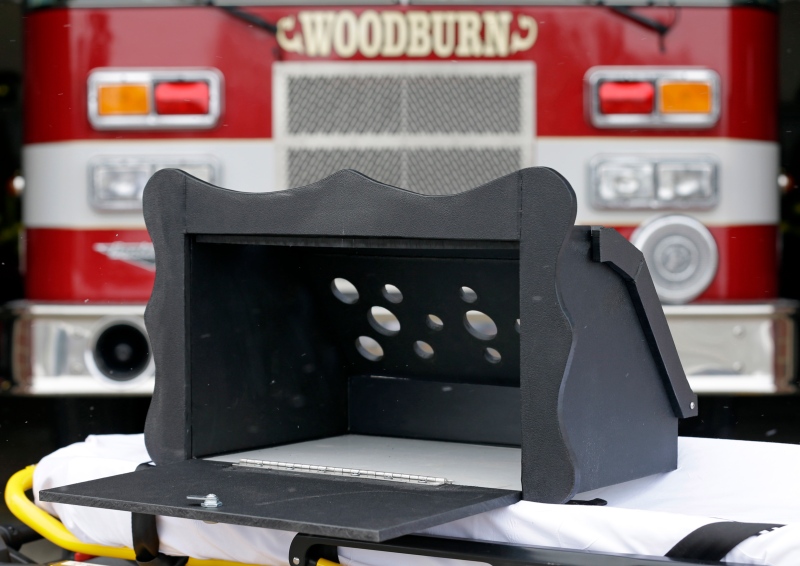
182,98
626,97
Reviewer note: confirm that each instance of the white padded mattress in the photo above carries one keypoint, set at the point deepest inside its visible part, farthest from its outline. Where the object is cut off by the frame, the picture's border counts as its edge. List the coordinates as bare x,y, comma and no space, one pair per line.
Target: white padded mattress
715,480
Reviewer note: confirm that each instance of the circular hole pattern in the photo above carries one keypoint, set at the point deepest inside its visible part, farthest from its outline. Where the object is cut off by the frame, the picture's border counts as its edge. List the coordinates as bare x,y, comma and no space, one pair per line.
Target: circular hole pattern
468,295
516,326
480,325
434,322
369,348
423,350
383,321
344,291
392,294
492,356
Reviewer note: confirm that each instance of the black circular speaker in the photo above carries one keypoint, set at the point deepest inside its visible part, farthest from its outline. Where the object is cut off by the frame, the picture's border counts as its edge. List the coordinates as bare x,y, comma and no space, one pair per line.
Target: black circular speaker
121,352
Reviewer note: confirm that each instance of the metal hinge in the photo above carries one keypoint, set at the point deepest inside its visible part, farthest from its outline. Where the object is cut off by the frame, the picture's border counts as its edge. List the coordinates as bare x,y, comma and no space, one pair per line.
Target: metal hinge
344,472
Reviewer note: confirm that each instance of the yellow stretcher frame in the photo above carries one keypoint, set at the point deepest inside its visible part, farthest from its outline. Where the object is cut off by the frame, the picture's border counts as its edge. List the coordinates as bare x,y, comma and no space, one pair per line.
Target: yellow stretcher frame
54,530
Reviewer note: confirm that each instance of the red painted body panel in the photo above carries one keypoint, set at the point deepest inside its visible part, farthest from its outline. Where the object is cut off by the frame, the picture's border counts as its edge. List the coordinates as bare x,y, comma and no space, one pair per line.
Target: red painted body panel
63,46
747,257
62,265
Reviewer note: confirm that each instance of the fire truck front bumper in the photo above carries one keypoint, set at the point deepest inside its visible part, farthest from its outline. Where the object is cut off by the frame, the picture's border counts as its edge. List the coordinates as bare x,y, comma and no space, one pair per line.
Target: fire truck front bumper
68,349
58,349
736,348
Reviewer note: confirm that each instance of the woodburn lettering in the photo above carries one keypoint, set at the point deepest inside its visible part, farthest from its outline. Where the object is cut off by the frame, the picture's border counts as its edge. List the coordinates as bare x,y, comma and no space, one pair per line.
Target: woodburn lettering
414,33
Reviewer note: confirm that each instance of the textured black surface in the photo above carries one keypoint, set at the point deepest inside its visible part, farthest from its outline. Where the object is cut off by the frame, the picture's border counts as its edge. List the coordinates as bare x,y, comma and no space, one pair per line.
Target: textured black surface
616,413
345,204
608,246
252,349
373,510
459,412
548,211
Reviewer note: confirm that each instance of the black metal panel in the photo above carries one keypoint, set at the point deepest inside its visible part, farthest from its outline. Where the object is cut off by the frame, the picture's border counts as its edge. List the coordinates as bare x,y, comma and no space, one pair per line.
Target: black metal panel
629,433
346,204
459,412
270,350
546,338
608,246
369,510
264,369
271,345
307,549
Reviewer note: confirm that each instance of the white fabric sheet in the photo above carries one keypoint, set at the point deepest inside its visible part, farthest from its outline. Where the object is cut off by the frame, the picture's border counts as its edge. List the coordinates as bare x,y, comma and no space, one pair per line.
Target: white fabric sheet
715,480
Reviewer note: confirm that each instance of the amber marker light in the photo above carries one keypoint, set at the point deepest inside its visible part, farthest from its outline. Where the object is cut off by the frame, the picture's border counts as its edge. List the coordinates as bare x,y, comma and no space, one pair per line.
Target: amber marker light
128,99
681,97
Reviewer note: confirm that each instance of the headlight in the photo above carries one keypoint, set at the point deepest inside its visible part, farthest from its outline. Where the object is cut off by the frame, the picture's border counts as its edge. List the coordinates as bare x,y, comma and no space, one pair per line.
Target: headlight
118,186
116,183
681,255
631,182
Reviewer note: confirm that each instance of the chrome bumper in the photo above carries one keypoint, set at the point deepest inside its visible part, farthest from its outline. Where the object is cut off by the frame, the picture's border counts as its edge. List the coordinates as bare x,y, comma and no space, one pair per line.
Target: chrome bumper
52,349
725,348
736,348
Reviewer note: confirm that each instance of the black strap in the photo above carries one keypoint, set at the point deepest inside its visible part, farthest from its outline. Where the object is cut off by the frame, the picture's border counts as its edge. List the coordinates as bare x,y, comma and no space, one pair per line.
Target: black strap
715,540
145,539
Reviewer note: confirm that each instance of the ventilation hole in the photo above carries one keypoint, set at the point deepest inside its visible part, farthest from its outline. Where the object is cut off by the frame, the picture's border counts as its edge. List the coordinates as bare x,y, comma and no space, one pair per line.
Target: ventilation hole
516,326
383,321
492,356
468,295
392,294
423,350
369,348
480,325
344,291
434,322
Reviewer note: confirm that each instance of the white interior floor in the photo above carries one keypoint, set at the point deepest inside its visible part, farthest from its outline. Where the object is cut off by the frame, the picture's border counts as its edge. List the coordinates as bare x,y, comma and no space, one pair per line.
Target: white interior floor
463,464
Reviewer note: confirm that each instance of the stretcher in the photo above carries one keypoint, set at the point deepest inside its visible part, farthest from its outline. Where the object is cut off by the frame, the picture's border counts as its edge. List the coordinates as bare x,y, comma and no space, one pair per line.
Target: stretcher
717,481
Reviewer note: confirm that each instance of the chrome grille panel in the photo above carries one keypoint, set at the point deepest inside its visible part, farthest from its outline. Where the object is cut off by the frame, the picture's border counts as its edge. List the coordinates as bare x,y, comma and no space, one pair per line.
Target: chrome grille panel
433,128
465,105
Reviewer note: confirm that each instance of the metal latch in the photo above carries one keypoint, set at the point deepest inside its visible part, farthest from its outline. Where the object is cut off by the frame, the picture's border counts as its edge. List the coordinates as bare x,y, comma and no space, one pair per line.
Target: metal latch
209,501
334,471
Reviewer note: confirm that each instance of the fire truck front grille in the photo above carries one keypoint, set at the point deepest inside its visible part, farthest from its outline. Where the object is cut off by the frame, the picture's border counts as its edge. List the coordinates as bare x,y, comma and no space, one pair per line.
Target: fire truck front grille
415,105
309,165
428,171
464,105
433,128
344,105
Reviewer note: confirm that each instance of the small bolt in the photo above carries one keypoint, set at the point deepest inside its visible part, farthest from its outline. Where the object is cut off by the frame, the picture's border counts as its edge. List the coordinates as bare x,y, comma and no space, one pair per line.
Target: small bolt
295,561
692,405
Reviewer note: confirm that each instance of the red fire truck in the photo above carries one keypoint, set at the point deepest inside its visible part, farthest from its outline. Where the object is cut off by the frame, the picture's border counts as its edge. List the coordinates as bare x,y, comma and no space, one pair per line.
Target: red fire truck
661,114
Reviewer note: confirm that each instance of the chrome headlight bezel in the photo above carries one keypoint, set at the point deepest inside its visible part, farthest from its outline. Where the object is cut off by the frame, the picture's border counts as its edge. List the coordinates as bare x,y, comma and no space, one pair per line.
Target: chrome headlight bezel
204,167
657,194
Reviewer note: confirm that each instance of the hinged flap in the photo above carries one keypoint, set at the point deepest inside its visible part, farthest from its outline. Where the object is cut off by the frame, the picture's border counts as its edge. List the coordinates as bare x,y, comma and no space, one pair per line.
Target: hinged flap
349,507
